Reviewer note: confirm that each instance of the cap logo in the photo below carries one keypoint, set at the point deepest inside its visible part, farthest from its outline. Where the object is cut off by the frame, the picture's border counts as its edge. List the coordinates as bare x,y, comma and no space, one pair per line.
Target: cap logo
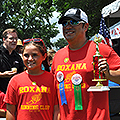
75,14
71,11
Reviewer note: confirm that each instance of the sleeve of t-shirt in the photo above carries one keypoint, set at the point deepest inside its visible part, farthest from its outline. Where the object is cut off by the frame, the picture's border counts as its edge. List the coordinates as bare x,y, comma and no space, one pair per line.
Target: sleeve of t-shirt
111,56
114,61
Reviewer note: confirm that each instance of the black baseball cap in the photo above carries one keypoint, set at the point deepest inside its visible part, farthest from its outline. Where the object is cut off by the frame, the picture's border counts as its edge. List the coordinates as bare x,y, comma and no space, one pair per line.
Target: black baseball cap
75,14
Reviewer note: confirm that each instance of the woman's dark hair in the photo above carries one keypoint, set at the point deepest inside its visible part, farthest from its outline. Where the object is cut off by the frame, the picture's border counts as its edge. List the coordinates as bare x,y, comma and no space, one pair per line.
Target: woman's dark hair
43,52
46,65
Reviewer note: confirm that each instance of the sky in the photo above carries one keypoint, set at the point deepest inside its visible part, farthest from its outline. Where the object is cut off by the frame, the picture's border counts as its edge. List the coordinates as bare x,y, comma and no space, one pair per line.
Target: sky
55,19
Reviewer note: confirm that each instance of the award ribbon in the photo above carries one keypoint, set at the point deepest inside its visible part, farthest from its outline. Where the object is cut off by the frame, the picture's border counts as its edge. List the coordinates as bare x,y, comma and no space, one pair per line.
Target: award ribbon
62,93
76,80
60,78
78,97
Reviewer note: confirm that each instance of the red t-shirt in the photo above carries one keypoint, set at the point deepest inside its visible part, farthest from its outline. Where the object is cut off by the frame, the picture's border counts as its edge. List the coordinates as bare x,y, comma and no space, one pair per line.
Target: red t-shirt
2,103
69,62
34,96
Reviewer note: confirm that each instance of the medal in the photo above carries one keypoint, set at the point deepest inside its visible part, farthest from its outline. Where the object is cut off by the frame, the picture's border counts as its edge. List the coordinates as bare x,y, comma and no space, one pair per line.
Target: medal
60,79
76,80
60,76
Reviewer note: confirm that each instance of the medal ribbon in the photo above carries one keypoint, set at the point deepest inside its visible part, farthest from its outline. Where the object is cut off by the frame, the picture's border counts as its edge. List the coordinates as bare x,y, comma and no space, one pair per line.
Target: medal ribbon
62,93
78,97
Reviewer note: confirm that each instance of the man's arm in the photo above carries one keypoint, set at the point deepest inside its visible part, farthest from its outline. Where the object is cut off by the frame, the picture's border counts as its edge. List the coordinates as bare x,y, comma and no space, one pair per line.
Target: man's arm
113,75
11,109
7,74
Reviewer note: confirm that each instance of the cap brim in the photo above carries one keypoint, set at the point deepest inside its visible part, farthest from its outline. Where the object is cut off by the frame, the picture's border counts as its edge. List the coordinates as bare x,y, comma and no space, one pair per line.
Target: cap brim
67,18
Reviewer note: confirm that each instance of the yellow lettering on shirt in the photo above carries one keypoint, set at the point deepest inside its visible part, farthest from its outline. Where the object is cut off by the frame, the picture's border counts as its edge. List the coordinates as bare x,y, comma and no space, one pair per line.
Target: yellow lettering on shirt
73,67
37,89
29,107
70,67
61,67
83,85
67,67
43,89
84,66
31,89
44,107
35,107
26,89
34,89
78,66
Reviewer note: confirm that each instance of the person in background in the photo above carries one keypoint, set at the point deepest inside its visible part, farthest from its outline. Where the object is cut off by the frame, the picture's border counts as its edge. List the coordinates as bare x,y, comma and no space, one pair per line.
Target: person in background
31,95
2,105
51,54
9,59
73,70
19,47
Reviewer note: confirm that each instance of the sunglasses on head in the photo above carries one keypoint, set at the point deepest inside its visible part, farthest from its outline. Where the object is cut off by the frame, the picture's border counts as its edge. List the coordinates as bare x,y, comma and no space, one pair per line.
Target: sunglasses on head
71,22
35,40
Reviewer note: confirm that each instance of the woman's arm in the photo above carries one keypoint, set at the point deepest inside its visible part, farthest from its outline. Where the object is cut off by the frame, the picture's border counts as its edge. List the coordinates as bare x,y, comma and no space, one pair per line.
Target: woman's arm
11,109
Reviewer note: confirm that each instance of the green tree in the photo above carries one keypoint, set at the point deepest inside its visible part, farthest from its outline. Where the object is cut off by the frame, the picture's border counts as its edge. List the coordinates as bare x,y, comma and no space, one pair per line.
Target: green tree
31,18
60,43
91,7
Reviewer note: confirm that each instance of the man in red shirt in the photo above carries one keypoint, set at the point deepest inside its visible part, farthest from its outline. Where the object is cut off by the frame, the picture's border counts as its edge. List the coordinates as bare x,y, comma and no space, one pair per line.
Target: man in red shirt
73,70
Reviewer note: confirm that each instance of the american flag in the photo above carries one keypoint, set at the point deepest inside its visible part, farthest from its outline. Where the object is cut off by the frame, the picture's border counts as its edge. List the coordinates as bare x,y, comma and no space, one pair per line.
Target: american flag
105,32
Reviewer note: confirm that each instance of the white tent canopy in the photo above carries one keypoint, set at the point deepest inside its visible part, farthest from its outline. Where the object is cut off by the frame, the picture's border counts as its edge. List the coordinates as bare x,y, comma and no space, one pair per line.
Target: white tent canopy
112,10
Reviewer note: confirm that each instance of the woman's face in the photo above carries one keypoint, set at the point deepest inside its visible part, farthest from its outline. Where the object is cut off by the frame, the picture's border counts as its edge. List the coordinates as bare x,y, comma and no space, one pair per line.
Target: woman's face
32,57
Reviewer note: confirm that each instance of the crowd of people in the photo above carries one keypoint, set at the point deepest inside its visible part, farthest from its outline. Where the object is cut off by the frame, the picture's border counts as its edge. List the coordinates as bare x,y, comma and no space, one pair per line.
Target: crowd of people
46,85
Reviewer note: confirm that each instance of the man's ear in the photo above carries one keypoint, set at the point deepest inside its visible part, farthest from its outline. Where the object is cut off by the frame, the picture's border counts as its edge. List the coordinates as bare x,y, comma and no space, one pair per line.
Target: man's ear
86,26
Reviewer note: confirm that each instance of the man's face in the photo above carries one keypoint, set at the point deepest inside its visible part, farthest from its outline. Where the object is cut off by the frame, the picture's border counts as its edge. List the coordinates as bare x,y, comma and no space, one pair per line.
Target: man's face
72,32
11,41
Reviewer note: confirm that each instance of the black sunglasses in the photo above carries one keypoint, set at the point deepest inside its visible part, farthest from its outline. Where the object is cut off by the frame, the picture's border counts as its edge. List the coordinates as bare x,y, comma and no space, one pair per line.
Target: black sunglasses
71,22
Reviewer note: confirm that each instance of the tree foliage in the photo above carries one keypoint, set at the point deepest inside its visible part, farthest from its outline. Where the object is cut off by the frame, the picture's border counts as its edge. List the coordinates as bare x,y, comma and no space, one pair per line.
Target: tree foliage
60,43
91,7
31,18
